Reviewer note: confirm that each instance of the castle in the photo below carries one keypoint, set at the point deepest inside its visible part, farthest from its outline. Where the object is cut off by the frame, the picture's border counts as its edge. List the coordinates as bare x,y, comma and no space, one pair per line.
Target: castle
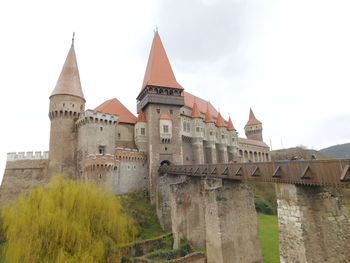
113,147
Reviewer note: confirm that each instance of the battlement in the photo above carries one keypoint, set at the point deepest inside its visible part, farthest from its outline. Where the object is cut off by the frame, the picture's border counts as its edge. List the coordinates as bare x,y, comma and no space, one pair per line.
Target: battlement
38,155
131,155
91,116
99,161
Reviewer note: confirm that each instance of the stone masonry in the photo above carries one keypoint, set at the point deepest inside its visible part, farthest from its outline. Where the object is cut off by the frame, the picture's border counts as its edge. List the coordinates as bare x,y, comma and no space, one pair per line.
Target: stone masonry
314,225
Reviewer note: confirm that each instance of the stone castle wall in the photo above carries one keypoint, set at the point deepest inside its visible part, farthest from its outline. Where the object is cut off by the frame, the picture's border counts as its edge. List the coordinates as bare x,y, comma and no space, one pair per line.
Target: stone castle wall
22,174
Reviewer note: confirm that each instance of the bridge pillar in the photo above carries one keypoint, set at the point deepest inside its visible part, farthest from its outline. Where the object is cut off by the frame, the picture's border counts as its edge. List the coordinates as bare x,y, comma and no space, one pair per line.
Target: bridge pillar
188,211
314,225
232,234
163,198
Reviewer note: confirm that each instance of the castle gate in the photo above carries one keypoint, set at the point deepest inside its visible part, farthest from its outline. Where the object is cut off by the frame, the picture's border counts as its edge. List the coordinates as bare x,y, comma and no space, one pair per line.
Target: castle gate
213,207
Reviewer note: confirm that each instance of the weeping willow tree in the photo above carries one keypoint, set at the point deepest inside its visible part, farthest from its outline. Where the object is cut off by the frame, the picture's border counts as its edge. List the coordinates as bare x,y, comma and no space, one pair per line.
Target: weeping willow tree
66,221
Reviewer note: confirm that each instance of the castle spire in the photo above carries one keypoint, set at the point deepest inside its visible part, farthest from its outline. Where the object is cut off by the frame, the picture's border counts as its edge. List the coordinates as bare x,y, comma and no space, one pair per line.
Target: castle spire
252,119
195,111
230,126
207,115
69,81
159,71
220,121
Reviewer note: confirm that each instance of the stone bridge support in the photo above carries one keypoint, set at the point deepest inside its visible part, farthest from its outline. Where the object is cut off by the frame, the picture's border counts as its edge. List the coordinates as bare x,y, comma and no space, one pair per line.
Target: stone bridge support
314,225
232,232
218,215
188,212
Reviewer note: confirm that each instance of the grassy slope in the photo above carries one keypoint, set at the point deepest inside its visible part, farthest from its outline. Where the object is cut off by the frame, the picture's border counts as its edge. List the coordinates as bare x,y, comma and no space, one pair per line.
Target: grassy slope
268,227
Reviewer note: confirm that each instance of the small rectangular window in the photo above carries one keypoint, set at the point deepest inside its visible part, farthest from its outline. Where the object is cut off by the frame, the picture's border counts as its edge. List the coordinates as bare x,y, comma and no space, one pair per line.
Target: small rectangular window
171,112
143,131
197,129
118,135
222,136
158,111
101,149
166,129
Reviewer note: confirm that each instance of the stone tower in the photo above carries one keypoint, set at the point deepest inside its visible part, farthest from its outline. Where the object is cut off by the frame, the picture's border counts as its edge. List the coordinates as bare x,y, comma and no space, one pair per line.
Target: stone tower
161,99
67,102
253,128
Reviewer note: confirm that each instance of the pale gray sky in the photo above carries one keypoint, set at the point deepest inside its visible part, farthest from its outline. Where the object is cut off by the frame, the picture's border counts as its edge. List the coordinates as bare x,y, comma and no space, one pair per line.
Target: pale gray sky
288,60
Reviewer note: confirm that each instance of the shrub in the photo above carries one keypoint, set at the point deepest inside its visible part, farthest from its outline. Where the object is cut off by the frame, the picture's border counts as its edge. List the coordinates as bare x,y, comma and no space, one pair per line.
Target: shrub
66,221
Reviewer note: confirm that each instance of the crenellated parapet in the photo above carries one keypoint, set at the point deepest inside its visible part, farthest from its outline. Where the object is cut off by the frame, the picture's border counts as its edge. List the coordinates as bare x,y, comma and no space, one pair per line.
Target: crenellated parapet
130,155
100,162
38,155
91,116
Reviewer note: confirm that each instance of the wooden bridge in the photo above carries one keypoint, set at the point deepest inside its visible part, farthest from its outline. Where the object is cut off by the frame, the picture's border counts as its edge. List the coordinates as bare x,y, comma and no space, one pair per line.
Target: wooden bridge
333,173
210,205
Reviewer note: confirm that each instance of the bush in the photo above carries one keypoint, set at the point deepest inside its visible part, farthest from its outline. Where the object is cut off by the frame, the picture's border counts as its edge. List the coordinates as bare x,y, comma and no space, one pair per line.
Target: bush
66,221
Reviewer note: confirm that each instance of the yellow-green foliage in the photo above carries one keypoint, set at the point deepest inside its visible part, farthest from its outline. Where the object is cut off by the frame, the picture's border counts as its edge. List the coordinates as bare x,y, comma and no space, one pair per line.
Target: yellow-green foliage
66,221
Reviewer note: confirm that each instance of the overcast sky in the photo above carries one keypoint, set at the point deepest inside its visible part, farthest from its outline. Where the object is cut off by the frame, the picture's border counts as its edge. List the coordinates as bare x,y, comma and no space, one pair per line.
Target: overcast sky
288,60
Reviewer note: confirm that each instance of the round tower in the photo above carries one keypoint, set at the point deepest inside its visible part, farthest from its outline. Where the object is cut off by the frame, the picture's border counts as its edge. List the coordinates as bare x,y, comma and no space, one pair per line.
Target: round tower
67,102
253,128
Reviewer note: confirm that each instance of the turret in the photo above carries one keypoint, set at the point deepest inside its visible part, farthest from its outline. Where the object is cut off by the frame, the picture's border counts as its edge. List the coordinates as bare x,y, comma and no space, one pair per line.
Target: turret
253,128
67,102
161,95
221,139
141,132
232,142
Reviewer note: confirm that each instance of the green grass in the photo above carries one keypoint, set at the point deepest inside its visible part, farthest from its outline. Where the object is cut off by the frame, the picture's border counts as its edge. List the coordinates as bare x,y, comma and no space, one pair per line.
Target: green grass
268,227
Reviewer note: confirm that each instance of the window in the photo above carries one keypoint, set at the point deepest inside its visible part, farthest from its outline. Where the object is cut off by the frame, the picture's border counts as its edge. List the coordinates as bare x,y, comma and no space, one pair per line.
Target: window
166,148
165,128
158,111
101,149
171,112
143,131
118,135
101,128
197,129
222,136
211,133
233,139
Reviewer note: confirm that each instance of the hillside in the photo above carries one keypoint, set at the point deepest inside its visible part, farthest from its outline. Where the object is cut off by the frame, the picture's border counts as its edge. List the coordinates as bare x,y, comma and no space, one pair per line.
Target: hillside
300,152
337,151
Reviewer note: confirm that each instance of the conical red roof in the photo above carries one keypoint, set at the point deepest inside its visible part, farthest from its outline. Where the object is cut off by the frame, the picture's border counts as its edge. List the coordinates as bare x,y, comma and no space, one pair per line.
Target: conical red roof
208,115
114,106
164,116
159,71
195,111
252,120
230,126
69,81
220,121
141,117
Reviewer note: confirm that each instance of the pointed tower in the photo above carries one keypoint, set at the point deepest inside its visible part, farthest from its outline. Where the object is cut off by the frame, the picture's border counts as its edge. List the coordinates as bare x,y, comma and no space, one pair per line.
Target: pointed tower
161,95
253,128
232,141
67,102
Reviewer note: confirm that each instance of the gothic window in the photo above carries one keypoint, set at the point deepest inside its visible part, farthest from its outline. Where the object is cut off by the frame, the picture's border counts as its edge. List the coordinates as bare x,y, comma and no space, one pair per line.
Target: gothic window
143,131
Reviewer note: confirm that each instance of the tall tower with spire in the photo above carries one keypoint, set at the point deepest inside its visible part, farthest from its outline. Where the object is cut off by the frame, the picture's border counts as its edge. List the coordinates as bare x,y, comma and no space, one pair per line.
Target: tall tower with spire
253,128
67,102
161,99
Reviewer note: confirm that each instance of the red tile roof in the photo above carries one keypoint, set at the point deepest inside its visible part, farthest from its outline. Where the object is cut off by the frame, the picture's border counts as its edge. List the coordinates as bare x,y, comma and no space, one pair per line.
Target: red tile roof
69,81
230,126
164,116
252,120
141,117
203,105
195,111
220,121
114,106
159,71
252,142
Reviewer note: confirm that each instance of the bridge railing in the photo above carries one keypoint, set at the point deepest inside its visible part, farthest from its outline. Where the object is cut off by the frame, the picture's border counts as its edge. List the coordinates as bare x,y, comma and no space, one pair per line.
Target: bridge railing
334,173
